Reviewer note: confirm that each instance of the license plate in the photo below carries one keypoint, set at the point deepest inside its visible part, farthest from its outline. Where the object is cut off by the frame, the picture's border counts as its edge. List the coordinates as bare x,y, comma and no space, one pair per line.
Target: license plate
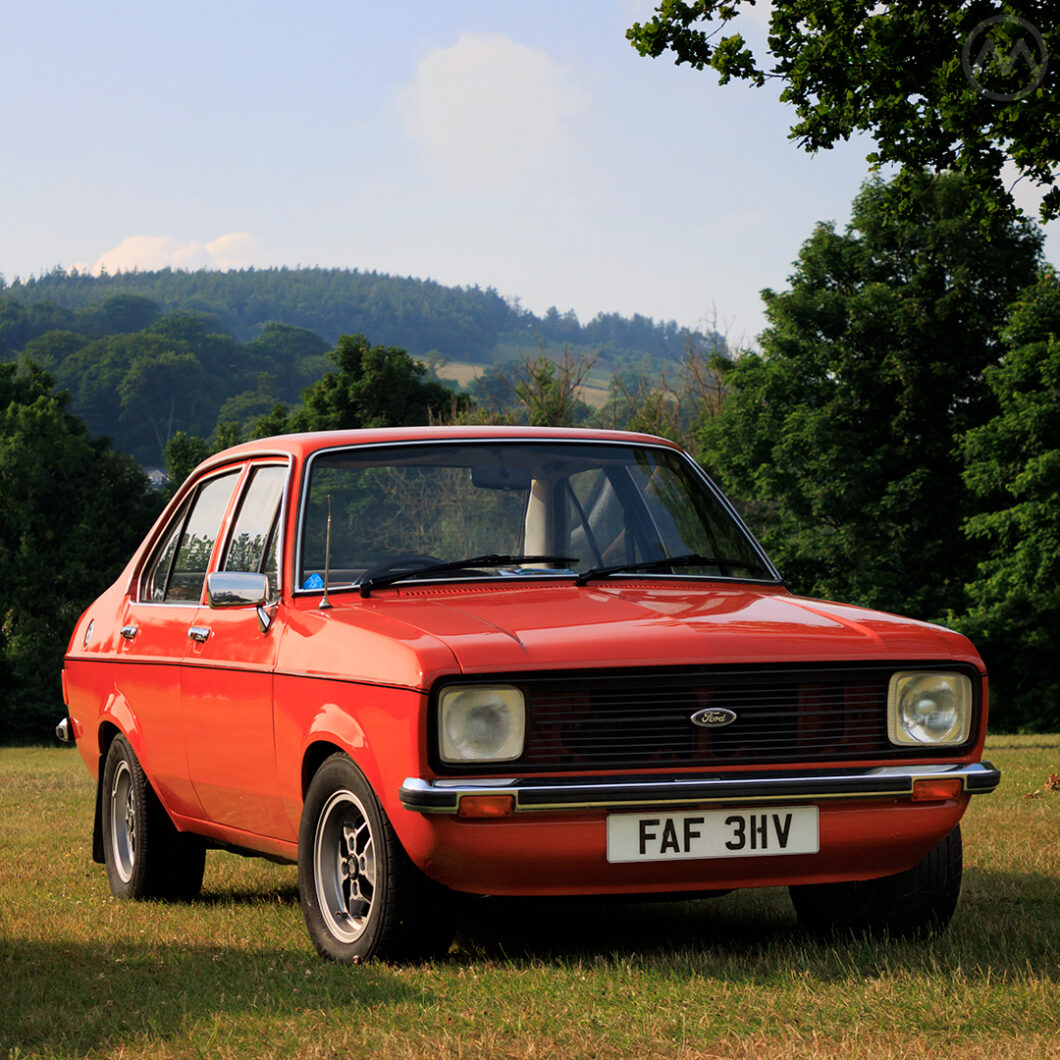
752,832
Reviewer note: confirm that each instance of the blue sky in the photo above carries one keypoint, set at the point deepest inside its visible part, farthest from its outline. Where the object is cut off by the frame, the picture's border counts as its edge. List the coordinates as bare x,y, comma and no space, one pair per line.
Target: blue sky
525,147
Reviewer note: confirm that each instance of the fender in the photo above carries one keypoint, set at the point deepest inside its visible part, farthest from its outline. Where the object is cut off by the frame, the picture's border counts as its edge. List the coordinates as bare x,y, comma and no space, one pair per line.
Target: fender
337,727
118,714
315,715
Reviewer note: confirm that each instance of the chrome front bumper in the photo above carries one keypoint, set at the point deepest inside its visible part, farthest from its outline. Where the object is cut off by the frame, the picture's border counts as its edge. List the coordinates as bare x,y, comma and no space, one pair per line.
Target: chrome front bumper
588,793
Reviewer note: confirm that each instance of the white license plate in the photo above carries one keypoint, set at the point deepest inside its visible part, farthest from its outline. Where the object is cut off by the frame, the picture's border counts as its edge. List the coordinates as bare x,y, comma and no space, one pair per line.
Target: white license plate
751,832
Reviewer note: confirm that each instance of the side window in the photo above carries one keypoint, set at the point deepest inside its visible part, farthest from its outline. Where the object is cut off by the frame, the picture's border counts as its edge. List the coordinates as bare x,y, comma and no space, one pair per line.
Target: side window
188,570
253,544
153,586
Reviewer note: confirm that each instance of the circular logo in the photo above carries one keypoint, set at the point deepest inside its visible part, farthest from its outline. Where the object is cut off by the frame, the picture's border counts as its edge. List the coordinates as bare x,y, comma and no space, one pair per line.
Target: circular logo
713,718
1005,58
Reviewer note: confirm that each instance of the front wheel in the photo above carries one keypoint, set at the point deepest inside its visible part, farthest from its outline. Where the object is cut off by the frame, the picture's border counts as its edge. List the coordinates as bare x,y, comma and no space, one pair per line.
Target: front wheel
911,904
361,895
145,856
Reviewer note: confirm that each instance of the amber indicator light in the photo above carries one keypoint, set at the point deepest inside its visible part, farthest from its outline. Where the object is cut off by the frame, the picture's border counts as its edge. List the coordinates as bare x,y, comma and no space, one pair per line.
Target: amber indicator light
486,806
936,790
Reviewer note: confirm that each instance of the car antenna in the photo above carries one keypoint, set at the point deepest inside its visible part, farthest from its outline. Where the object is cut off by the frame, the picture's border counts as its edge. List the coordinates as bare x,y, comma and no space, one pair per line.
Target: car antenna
326,603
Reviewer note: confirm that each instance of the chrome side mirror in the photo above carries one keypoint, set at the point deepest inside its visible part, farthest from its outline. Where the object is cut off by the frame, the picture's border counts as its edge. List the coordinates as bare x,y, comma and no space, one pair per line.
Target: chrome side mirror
234,588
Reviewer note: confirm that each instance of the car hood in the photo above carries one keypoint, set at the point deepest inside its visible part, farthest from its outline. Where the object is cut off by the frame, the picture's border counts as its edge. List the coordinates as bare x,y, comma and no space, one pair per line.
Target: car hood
489,627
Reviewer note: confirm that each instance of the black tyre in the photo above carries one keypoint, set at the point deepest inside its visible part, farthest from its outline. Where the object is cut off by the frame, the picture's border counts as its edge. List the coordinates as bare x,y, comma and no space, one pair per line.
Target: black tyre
145,856
361,895
911,904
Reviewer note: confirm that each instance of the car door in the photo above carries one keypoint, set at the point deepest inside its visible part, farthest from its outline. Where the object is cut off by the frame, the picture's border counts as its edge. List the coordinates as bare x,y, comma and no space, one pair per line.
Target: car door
227,676
154,624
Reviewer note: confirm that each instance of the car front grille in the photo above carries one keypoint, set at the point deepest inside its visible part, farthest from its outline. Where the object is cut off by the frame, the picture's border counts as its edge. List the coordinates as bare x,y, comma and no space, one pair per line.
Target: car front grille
642,720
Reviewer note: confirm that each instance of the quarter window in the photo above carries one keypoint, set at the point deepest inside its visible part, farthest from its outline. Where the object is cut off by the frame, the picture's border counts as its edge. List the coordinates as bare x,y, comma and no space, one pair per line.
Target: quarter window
154,584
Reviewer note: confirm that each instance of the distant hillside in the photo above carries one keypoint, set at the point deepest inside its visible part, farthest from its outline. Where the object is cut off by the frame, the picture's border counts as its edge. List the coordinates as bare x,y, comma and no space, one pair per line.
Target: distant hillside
460,323
146,354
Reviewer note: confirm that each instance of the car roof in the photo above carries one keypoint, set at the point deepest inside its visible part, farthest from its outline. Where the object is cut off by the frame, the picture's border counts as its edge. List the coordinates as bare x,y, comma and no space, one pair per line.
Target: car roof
301,446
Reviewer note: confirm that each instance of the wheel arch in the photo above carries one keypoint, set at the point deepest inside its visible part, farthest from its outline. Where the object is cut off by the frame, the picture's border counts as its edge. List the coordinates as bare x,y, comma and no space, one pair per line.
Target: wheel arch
314,756
337,728
106,735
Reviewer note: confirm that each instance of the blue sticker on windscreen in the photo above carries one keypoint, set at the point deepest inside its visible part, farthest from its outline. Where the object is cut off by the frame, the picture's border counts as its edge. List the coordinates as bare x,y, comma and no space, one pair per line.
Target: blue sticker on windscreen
314,581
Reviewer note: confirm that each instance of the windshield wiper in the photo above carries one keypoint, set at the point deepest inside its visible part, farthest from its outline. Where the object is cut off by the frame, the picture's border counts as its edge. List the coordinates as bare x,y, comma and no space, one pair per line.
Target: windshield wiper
690,560
392,571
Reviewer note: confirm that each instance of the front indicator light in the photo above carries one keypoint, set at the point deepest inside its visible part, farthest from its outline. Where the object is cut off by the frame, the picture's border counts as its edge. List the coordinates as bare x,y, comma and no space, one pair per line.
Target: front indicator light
935,790
480,724
929,708
486,806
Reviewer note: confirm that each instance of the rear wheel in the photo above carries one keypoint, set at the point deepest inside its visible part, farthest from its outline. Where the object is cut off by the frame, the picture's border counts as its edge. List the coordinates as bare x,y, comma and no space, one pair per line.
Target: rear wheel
145,856
361,895
911,904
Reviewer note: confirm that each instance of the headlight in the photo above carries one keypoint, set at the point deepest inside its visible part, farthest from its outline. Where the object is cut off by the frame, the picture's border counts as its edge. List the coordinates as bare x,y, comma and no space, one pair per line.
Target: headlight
929,708
481,724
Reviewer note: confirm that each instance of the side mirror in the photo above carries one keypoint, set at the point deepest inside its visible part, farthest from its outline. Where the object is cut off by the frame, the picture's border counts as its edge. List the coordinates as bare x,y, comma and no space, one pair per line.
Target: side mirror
234,588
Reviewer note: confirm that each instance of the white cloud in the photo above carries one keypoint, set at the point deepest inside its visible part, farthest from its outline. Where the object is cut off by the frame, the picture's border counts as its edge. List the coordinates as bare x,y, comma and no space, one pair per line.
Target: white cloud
231,251
489,111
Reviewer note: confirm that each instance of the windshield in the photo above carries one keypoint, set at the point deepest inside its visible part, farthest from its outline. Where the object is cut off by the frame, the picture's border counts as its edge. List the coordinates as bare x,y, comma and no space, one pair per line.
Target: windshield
534,508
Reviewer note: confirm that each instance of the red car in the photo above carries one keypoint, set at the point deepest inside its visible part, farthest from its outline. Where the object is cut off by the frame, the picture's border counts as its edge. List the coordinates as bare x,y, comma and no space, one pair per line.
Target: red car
506,661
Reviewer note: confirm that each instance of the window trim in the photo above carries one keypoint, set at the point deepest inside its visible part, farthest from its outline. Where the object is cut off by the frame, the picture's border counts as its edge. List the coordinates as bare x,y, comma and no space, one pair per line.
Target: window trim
277,528
183,512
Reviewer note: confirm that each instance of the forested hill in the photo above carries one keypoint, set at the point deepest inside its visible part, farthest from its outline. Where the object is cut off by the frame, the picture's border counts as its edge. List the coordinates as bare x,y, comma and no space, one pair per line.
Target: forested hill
460,323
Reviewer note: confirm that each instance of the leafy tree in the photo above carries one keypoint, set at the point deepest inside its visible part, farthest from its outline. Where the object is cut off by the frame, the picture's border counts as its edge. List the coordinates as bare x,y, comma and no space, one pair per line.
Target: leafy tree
122,314
249,406
141,387
962,85
294,357
21,323
53,347
183,453
676,403
548,393
538,391
1013,467
73,511
161,389
840,436
374,386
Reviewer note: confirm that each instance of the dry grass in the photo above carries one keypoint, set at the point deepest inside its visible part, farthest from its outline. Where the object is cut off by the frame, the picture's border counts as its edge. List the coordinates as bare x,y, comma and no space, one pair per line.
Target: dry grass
233,975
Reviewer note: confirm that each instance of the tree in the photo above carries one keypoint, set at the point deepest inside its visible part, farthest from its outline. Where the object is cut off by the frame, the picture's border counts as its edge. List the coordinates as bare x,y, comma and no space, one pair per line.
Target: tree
547,393
160,389
73,511
375,386
183,453
1013,467
841,436
536,391
962,85
678,401
294,357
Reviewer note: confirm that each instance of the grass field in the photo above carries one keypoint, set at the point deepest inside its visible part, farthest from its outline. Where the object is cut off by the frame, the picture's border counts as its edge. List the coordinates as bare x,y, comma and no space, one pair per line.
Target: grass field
234,975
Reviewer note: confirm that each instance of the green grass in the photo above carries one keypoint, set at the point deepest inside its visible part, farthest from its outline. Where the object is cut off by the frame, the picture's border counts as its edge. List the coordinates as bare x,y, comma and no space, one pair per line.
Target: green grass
234,975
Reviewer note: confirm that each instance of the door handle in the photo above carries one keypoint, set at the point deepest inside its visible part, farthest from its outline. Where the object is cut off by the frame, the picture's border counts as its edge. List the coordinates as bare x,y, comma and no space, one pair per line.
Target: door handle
199,633
128,632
